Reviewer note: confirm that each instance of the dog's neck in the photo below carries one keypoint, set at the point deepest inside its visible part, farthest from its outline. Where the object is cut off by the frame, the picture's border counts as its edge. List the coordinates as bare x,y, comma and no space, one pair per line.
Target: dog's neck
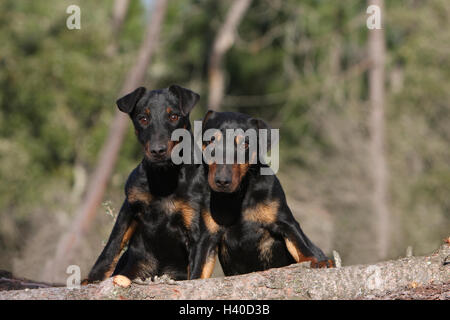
162,179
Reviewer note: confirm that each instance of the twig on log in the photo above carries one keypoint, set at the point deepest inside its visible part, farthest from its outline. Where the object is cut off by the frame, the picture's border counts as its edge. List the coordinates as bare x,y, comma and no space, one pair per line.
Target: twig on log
337,259
409,251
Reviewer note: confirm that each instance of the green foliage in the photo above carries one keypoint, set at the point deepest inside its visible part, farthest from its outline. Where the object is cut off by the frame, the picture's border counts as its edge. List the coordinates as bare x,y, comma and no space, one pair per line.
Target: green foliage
57,97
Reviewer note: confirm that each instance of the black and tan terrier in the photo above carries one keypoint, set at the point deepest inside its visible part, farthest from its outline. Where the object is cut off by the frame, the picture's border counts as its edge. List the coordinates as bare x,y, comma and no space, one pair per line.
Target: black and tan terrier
160,217
249,223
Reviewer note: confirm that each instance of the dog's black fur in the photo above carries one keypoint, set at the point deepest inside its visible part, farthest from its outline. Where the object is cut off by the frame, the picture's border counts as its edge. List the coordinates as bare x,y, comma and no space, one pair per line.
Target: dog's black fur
249,222
160,217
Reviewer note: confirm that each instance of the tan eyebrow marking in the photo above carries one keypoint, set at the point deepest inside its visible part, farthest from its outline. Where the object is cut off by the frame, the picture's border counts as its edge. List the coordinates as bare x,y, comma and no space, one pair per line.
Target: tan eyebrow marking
218,135
238,139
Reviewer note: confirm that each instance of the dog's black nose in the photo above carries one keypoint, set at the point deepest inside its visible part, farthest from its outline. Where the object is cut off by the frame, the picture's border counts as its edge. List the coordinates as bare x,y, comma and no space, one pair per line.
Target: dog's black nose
158,151
222,182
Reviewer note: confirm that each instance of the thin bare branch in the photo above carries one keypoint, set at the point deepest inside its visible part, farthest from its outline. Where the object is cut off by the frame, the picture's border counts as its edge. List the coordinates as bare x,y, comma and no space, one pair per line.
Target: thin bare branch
224,41
377,57
120,10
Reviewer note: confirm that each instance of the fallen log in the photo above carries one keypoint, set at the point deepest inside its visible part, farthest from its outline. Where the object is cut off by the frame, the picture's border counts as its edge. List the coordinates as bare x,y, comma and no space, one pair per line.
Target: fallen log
9,282
296,281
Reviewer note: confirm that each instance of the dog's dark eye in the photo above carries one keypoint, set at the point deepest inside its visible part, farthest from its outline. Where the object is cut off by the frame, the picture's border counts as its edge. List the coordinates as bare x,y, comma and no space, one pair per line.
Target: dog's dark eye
174,117
143,120
207,143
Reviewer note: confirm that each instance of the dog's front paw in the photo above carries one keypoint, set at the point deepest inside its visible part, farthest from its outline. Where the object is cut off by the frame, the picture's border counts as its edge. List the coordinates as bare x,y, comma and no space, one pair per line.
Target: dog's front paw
322,264
164,279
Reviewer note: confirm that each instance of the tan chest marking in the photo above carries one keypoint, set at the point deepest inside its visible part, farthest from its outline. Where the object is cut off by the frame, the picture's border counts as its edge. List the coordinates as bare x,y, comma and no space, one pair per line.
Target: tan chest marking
136,194
210,224
187,212
265,213
181,206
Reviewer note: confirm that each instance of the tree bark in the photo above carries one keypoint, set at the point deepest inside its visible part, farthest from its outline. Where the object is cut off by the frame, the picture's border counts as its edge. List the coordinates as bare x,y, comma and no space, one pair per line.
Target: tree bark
223,42
109,152
292,282
376,53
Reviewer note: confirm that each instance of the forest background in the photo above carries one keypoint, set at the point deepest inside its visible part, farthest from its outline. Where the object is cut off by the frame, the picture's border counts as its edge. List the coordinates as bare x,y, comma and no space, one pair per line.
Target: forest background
302,65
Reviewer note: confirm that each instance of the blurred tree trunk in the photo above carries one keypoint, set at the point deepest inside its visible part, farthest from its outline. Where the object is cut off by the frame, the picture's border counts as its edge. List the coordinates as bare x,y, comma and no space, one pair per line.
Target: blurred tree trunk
376,53
109,152
223,42
120,10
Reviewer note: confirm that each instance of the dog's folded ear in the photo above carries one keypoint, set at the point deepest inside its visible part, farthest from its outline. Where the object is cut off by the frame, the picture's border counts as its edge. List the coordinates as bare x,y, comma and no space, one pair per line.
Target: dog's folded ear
259,124
128,102
208,115
186,98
